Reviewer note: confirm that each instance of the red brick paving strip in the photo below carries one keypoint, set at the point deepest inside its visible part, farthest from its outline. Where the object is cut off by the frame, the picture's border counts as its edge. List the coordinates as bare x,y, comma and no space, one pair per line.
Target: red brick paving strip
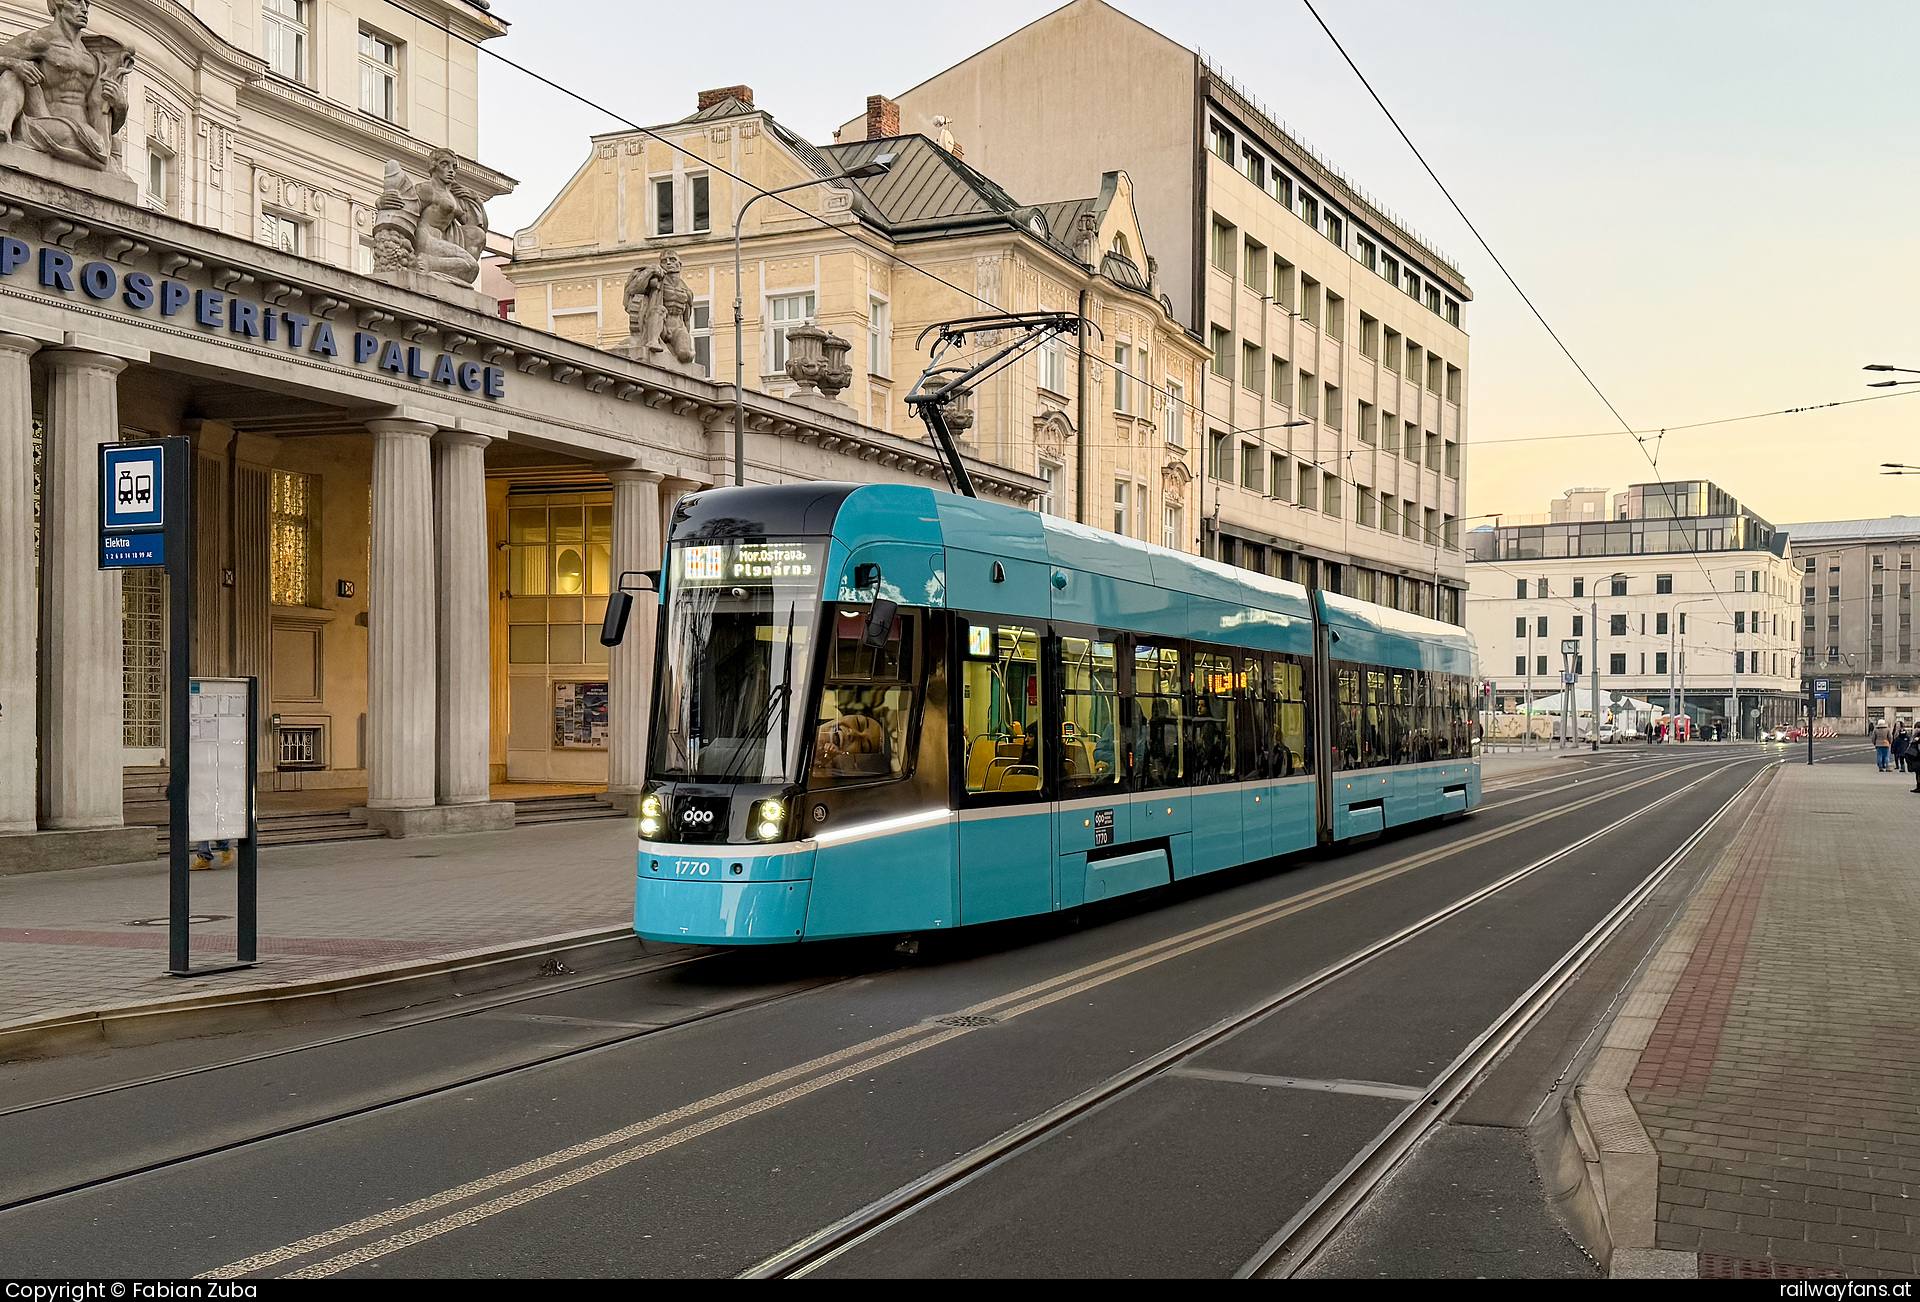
1679,1055
1715,1266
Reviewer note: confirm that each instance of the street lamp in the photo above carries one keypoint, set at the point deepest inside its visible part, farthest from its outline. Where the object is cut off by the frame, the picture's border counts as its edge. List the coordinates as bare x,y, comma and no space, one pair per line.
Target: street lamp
1676,663
877,166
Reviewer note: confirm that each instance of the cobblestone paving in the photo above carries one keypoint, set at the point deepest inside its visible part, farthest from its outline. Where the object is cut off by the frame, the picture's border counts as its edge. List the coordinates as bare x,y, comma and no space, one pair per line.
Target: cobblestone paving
1782,1082
67,942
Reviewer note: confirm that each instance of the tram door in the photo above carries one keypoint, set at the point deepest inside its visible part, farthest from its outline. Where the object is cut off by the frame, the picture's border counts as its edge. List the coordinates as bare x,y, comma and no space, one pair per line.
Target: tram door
1006,823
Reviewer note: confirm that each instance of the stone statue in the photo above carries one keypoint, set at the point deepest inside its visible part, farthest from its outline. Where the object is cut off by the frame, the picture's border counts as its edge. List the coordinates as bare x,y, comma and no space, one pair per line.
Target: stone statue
63,91
436,227
659,314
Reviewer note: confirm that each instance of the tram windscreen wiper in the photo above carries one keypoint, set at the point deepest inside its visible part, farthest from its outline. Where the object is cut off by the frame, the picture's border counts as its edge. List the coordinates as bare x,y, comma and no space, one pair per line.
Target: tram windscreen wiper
781,693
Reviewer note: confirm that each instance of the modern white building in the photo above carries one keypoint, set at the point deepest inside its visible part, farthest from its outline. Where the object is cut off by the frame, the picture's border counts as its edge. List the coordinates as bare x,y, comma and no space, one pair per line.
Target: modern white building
1686,597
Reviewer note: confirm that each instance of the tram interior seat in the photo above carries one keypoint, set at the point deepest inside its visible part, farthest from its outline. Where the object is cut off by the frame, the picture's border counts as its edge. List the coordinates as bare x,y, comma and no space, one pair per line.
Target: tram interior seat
980,754
1020,777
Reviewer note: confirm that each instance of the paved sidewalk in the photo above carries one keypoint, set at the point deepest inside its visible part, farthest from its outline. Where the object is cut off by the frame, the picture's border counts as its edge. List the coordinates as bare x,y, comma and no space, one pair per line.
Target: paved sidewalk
69,940
1780,1079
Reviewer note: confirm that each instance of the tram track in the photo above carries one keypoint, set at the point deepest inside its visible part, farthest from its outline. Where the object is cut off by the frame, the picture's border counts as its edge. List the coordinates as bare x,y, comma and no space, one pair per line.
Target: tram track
623,972
1289,1249
996,1009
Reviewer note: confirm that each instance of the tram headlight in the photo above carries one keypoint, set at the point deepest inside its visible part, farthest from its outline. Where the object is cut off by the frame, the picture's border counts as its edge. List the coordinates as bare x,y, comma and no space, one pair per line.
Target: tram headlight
769,818
653,813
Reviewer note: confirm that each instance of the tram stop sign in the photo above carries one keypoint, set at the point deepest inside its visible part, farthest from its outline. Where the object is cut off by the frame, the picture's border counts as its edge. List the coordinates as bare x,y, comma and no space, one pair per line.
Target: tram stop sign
133,511
1819,689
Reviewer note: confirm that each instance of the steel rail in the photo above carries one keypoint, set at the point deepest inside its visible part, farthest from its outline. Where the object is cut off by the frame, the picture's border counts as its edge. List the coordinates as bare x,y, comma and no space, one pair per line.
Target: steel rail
803,1257
1293,1246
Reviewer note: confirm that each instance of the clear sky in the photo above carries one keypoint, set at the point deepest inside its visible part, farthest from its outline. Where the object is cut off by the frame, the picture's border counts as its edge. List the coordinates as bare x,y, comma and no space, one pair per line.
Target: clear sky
1712,202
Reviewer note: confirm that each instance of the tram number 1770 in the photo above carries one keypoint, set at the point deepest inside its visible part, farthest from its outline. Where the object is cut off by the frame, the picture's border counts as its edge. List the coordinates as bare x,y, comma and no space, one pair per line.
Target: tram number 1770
692,867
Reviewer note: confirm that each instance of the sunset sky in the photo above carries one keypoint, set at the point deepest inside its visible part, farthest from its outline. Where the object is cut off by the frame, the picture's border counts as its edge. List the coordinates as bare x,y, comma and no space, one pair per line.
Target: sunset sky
1712,203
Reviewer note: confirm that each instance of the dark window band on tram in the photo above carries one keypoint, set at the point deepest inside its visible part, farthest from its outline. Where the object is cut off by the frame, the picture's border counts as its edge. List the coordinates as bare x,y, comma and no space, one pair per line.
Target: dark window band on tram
1385,716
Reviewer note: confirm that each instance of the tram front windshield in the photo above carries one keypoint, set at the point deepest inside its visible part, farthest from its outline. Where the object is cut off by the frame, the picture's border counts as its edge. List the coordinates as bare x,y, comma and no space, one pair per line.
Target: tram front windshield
733,671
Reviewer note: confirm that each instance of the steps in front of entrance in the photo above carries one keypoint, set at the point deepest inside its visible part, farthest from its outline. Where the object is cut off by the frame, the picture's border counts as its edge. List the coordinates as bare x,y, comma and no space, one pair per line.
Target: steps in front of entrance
146,803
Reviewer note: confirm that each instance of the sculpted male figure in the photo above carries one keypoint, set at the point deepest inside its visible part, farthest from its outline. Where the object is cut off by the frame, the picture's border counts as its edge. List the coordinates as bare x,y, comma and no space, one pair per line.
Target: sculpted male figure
63,91
660,309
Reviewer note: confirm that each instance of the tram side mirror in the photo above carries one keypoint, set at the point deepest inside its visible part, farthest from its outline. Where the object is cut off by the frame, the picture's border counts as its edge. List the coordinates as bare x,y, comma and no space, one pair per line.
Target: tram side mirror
866,575
614,626
879,623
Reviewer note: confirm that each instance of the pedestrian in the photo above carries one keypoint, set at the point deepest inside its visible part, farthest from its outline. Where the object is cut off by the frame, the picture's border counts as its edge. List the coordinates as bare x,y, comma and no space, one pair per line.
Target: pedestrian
1902,743
1882,745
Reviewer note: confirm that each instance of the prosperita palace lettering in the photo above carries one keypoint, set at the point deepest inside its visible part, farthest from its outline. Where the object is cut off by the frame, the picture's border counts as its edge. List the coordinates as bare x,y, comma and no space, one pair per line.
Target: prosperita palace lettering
214,310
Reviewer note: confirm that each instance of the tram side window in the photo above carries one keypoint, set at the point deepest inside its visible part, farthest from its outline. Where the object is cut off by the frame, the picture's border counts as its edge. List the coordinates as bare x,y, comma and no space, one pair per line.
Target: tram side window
1444,709
1346,723
1090,717
1157,693
1293,745
1373,721
1000,709
1402,741
1211,744
866,704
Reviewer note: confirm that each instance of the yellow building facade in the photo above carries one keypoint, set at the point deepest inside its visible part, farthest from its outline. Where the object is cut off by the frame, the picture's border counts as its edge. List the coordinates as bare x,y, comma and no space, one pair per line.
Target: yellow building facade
1111,432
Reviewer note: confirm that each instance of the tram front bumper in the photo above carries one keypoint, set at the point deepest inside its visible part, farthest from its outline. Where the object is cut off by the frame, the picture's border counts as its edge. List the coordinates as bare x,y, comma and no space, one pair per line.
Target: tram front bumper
722,895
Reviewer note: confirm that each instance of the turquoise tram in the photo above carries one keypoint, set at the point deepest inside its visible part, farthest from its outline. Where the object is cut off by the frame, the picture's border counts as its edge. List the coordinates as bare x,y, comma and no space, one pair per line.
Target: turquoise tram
884,709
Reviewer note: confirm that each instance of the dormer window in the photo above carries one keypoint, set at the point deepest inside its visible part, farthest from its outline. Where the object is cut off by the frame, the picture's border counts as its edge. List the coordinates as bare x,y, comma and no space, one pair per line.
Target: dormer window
1120,246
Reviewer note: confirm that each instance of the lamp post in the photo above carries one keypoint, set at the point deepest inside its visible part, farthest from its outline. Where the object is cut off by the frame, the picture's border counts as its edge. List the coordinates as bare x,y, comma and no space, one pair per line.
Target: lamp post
877,166
1676,650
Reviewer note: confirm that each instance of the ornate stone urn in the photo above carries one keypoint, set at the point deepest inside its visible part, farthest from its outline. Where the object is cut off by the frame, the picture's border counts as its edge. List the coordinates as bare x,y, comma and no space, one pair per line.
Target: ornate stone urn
807,356
959,412
835,375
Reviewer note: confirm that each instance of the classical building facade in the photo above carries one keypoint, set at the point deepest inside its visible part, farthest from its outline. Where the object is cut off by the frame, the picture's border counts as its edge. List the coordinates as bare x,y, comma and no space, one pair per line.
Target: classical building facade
407,511
874,263
1693,597
1333,415
1855,587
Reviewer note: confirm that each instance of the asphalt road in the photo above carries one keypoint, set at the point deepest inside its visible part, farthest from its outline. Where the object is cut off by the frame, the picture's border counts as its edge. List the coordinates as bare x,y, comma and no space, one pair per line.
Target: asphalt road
695,1117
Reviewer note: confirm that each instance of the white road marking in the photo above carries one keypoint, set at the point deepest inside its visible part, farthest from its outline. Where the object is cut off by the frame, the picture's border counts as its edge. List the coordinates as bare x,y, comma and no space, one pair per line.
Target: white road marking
1371,1088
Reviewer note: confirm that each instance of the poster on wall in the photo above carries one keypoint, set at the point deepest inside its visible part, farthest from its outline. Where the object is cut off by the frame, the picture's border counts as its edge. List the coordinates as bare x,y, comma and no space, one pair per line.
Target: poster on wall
580,716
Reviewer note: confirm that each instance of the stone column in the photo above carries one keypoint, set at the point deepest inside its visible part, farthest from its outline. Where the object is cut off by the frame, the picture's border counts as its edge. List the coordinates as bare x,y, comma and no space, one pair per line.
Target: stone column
19,623
460,542
636,546
82,697
401,669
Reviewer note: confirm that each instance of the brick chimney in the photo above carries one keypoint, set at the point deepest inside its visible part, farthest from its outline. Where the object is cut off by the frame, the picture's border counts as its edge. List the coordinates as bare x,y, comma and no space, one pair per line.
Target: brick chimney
883,118
708,98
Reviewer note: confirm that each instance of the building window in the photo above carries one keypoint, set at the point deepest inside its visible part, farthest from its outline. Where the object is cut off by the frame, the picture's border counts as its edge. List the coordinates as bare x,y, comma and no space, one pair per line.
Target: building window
1122,382
1217,455
379,76
291,508
787,311
663,205
1335,229
1453,314
1453,459
1120,507
1619,586
700,210
1389,269
1330,490
1366,252
1253,167
1663,584
1739,580
1740,662
1310,300
1173,529
1813,563
1410,282
1255,267
283,233
560,545
1392,359
1579,625
879,338
1309,209
1045,504
1053,366
1309,396
1369,423
1541,667
1277,478
1336,408
1222,339
1175,423
1309,496
1519,666
1453,385
1410,441
1520,589
160,177
1369,337
1659,662
1433,452
1617,663
1220,140
1283,280
1252,373
1540,589
1336,316
1282,382
1224,242
1366,507
283,37
1433,299
1433,373
703,335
